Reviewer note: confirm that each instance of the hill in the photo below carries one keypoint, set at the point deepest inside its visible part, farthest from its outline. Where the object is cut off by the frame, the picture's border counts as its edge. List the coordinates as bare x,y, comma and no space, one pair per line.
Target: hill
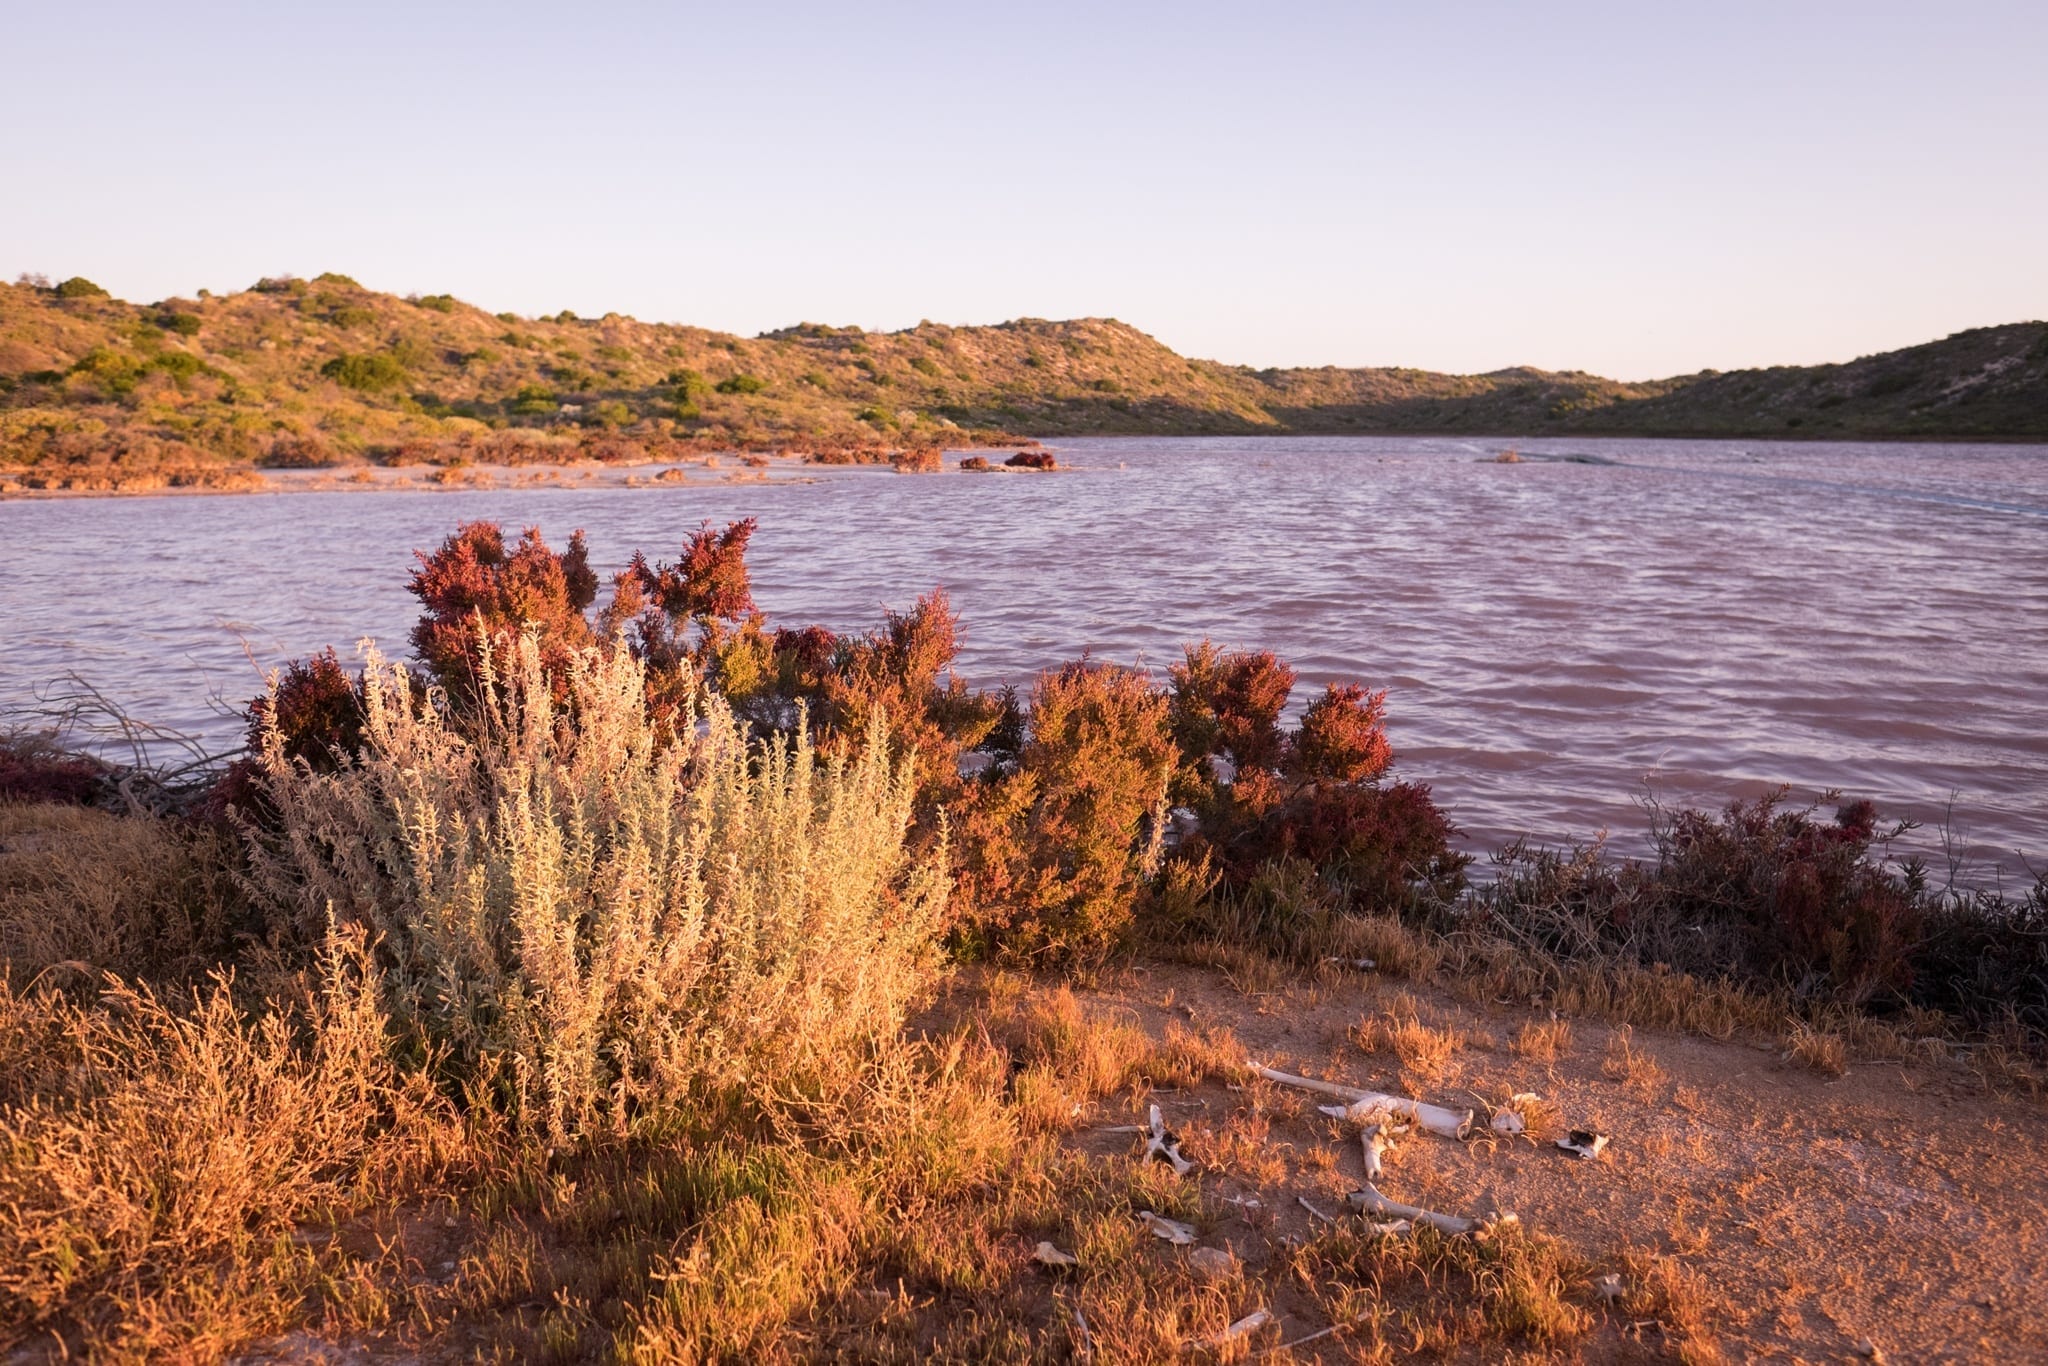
313,372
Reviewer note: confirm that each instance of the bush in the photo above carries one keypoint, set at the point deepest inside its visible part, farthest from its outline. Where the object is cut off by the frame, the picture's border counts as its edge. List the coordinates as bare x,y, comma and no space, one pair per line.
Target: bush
1775,898
976,464
601,919
1230,703
741,384
184,324
479,594
1052,856
335,277
918,460
534,400
78,287
34,768
439,303
368,373
1033,460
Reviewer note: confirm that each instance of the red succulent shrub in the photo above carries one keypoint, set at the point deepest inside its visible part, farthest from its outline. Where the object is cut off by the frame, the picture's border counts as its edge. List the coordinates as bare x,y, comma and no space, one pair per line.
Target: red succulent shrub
1343,737
34,769
474,588
1055,853
318,707
1033,460
1231,701
903,674
709,583
1814,900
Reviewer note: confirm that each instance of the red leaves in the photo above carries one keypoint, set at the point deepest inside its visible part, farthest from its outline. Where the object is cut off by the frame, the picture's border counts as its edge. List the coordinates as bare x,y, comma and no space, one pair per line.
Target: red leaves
319,711
472,580
1343,736
1231,701
709,583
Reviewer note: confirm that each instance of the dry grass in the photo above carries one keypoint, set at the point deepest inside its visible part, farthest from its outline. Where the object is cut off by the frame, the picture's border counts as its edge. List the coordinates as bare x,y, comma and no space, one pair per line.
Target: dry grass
1823,1052
1637,1072
1427,1054
84,892
149,1191
1544,1041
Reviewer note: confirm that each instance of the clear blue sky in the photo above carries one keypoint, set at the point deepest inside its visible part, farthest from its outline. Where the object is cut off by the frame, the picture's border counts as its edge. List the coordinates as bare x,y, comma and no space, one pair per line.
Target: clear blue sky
1635,189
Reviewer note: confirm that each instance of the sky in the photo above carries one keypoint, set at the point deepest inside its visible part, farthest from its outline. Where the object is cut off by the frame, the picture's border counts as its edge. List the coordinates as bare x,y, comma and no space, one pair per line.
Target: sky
1632,189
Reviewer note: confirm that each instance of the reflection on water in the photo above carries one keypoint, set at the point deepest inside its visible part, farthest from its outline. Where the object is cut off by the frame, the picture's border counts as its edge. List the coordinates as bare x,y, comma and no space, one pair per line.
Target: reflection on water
1706,617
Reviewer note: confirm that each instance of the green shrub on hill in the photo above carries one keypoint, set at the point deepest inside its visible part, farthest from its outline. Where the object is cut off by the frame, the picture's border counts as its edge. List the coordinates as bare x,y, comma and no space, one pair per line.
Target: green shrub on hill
741,384
368,373
78,287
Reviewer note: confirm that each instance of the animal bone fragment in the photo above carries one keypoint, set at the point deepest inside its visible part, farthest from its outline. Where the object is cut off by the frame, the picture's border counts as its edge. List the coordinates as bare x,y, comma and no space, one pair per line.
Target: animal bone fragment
1435,1118
1584,1143
1162,1146
1244,1201
1376,1144
1302,1200
1212,1263
1048,1255
1389,1228
1361,964
1172,1230
1609,1287
1509,1119
1244,1327
1370,1201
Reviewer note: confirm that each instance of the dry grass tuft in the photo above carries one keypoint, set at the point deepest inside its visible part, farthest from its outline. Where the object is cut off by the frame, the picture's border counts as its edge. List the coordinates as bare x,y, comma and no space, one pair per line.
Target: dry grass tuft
1428,1055
1638,1073
84,892
1544,1041
1822,1051
148,1196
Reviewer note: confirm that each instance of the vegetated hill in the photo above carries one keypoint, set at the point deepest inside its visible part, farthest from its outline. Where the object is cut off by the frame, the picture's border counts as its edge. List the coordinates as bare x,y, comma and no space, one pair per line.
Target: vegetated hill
301,372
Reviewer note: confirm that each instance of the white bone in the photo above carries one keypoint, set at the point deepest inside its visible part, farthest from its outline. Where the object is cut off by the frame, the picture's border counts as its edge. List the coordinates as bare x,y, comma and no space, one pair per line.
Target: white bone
1583,1143
1376,1144
1435,1118
1162,1146
1370,1201
1048,1255
1172,1230
1302,1200
1250,1323
1390,1228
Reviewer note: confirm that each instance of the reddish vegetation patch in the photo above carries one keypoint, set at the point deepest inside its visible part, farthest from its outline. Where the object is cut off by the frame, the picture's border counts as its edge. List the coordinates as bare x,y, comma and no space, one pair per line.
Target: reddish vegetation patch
32,772
1032,460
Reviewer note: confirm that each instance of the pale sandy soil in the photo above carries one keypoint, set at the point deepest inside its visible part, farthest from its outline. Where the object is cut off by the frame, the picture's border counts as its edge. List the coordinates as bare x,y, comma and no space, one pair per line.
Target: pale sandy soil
1897,1213
1898,1207
414,478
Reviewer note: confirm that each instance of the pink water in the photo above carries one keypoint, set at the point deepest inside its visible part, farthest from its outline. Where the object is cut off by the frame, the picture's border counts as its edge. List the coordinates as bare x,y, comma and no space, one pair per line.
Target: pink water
1701,619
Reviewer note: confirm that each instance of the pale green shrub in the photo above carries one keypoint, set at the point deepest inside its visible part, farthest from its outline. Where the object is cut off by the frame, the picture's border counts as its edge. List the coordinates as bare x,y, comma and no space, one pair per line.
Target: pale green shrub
603,916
